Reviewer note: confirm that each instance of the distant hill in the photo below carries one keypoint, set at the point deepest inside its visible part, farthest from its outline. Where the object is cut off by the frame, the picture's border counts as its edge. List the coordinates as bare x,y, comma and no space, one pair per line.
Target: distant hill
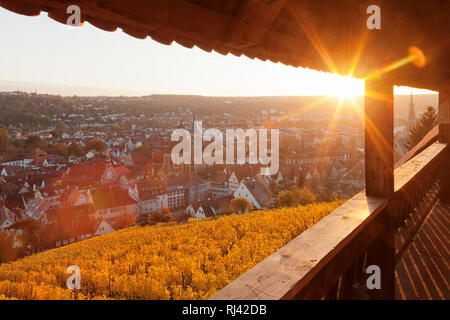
302,105
294,106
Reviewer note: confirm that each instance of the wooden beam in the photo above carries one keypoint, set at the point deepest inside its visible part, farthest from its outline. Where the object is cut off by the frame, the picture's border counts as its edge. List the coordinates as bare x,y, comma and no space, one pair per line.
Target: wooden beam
379,137
379,166
444,137
444,112
252,22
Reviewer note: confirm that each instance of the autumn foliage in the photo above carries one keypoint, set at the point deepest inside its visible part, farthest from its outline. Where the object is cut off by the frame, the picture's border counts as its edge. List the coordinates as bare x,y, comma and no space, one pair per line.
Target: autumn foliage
189,261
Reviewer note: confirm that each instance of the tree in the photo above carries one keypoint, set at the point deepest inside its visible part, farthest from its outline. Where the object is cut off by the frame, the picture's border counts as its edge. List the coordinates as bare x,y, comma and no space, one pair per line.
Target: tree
304,196
296,197
4,139
7,250
124,221
163,214
95,144
31,232
59,149
240,205
426,122
75,149
34,142
286,199
60,128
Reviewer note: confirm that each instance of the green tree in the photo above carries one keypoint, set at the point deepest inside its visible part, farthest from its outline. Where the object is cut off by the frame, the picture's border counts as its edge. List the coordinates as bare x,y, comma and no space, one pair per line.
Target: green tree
4,139
240,205
425,123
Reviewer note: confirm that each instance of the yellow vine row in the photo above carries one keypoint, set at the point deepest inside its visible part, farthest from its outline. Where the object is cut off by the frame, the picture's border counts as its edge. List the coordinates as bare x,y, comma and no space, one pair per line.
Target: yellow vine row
189,261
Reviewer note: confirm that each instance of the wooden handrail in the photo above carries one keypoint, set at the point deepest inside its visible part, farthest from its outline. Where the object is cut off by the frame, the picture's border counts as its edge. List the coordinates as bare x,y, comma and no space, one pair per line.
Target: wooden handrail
431,137
316,262
306,259
413,182
406,172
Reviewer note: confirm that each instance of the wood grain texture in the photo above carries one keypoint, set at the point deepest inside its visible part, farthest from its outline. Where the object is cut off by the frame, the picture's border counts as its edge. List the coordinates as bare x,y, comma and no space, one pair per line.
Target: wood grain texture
379,137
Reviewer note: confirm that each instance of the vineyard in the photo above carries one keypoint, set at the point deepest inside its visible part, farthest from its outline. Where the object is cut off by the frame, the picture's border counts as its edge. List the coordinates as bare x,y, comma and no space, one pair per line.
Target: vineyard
189,261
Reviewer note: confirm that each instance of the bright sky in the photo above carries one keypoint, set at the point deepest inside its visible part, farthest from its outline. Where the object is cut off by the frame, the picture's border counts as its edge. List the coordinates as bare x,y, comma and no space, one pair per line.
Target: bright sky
40,53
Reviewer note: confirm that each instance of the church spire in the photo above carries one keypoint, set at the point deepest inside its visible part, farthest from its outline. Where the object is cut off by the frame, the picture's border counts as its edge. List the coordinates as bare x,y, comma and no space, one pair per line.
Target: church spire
411,113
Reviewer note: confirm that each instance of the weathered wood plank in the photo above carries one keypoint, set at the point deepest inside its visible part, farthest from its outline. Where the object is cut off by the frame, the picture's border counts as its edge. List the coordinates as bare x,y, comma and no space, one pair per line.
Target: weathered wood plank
285,273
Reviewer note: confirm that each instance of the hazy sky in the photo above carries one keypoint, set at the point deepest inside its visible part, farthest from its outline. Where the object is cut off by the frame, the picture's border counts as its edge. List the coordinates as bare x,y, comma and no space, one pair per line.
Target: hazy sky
55,58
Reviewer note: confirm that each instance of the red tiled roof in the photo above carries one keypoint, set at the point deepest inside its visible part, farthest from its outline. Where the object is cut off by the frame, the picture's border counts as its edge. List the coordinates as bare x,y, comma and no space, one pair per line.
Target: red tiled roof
111,197
357,172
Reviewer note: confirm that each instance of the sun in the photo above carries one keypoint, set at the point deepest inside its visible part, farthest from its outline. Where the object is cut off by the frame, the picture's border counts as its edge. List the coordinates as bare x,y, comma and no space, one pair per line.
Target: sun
346,89
346,96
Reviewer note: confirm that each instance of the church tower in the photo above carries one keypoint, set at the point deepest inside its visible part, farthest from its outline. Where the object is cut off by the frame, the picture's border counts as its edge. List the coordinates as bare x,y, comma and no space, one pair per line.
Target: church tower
411,114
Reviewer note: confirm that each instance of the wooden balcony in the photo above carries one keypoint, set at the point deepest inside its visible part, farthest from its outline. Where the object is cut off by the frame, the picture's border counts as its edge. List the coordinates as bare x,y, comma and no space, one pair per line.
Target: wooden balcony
401,218
329,260
400,223
423,271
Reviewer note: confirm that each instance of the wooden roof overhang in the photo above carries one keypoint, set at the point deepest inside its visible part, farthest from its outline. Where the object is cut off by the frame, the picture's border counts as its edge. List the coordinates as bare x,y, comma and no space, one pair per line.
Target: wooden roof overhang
325,35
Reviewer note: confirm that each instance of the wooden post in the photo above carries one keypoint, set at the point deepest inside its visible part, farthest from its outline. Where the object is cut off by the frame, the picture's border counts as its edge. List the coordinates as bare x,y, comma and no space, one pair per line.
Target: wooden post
444,136
379,166
379,137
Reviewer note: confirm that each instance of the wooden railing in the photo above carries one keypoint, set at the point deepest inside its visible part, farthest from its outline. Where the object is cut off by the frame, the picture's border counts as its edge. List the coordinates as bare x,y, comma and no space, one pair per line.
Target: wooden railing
329,259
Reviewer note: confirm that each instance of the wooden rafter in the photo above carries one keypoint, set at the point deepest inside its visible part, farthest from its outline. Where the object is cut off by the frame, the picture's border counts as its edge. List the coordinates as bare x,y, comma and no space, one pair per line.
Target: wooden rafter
253,21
